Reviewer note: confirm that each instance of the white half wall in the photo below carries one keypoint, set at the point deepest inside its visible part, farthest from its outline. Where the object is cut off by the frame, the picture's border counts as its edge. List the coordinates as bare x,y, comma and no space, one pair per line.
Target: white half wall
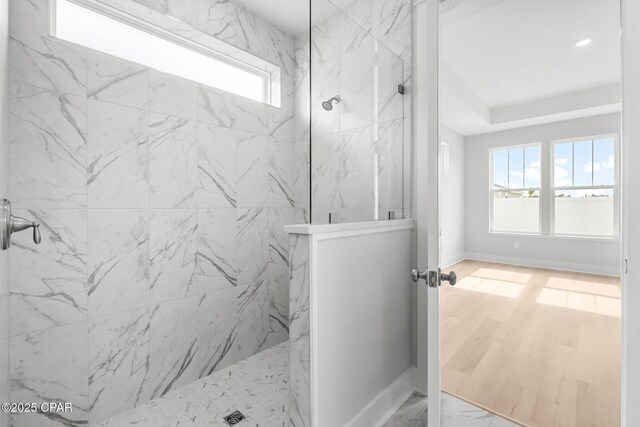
452,197
599,256
358,308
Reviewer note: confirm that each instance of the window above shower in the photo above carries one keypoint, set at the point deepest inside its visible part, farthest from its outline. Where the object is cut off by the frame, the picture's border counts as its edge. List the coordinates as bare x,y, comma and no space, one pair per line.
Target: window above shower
131,31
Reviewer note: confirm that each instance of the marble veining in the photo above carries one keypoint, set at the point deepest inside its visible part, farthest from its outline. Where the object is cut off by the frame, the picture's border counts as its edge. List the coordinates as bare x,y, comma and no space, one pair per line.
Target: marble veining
252,244
118,363
257,386
116,80
47,148
299,332
173,248
253,170
118,152
389,150
172,95
173,344
217,165
454,413
218,263
37,59
48,286
360,148
281,173
50,365
118,260
253,316
162,203
173,162
217,331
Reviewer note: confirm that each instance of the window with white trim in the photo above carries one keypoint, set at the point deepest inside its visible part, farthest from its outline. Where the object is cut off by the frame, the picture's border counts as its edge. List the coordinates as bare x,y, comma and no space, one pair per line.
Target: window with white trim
151,39
515,192
584,187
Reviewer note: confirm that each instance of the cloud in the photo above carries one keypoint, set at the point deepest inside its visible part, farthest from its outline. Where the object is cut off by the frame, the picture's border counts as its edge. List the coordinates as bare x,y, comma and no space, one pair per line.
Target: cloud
596,167
561,161
532,174
610,162
560,173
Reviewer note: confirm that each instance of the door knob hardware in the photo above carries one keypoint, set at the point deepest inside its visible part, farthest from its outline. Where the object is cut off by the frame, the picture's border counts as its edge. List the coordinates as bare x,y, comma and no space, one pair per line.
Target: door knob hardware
434,278
10,224
452,278
417,275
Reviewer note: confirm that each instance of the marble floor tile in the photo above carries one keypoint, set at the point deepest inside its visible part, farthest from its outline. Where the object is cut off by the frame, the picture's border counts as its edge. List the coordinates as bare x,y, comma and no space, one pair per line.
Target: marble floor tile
257,386
455,413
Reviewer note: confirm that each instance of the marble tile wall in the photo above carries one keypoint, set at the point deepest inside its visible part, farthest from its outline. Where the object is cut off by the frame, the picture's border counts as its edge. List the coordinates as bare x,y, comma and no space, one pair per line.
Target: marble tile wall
300,332
162,204
361,148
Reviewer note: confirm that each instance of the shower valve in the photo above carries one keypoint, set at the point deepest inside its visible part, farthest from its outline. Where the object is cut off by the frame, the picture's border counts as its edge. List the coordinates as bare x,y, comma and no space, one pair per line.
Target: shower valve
10,224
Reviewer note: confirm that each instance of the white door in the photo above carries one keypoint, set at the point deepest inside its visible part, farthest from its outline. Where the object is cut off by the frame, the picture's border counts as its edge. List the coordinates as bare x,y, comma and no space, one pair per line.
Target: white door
427,209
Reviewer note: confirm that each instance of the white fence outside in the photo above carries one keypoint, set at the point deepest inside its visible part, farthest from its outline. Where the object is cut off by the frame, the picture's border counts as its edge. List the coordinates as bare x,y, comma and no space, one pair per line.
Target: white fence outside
574,215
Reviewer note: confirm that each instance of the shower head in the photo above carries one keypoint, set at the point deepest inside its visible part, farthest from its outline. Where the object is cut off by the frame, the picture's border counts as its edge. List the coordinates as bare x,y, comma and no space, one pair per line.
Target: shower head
328,105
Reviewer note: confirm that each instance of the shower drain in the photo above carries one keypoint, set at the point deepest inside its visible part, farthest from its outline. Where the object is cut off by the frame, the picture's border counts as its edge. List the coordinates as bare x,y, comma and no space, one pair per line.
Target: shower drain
234,418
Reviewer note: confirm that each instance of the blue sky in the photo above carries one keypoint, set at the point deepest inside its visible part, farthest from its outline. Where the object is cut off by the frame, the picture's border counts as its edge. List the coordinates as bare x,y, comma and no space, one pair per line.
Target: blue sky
587,163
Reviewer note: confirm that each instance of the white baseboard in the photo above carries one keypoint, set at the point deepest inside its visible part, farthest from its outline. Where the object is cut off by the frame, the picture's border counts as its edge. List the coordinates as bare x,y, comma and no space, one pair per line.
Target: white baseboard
380,409
453,260
553,265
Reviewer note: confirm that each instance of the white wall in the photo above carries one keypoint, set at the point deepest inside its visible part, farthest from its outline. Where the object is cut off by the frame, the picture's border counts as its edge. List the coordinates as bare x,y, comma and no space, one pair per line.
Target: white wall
589,255
452,197
361,323
631,156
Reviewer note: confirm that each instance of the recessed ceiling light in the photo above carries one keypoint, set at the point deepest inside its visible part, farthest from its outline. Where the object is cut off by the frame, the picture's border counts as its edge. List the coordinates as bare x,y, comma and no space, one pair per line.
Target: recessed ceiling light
583,42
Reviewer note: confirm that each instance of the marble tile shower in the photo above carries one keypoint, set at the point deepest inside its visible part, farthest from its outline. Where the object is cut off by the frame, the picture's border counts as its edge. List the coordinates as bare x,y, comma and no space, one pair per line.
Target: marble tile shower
162,201
361,148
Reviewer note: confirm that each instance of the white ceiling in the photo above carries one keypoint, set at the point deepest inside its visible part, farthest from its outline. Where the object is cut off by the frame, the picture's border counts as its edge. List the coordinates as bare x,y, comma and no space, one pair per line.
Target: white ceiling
503,60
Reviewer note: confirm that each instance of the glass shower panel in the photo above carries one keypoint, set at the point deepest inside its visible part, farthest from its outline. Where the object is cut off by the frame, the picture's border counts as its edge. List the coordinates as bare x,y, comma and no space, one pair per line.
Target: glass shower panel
357,118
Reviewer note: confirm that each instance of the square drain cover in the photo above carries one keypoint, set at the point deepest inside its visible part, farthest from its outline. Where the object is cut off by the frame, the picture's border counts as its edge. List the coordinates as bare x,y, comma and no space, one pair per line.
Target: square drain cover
234,418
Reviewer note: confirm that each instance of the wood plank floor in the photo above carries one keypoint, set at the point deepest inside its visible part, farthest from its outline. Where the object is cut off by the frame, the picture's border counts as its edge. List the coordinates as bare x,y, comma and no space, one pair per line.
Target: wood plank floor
541,347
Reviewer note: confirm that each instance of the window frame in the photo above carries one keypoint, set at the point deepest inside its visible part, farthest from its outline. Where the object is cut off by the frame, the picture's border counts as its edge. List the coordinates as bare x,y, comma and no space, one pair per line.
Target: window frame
492,190
615,187
155,24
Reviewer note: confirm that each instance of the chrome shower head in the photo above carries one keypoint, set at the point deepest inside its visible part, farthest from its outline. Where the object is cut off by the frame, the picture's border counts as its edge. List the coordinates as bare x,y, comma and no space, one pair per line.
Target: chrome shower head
328,105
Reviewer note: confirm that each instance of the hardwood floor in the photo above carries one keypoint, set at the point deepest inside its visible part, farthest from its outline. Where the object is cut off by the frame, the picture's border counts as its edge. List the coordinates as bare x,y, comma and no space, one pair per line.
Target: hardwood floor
541,347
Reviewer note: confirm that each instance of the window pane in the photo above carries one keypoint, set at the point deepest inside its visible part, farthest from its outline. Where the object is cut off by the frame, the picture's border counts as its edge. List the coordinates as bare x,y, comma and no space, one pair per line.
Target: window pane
500,168
516,163
563,165
604,161
582,160
517,211
86,27
532,167
584,212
